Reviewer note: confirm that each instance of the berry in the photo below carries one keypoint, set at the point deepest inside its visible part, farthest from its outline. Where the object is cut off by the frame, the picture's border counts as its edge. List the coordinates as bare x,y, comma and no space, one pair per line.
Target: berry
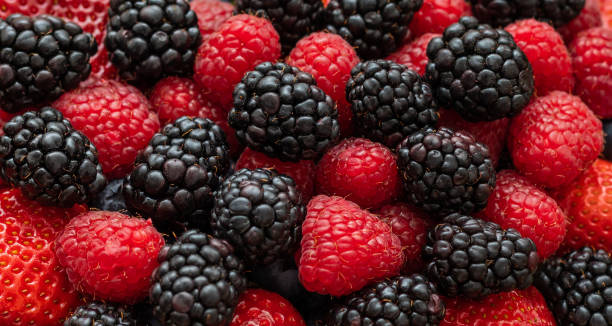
101,314
28,7
361,171
413,55
211,14
554,139
198,282
589,17
389,101
116,117
606,13
468,257
607,129
436,15
260,307
329,59
446,171
279,110
111,198
504,12
344,247
42,57
237,46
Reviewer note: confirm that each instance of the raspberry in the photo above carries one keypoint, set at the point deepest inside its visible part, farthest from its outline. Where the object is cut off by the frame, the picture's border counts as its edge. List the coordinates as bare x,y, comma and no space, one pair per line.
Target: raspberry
302,172
344,247
606,13
109,255
360,170
211,14
435,15
589,17
241,43
329,59
414,54
517,203
115,117
261,307
592,61
554,139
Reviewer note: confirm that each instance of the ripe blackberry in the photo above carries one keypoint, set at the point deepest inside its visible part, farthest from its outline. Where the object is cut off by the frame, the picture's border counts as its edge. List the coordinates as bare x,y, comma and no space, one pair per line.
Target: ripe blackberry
402,300
40,58
197,282
578,287
150,39
473,258
260,213
479,71
375,28
101,314
174,178
504,12
279,110
389,101
110,198
48,160
446,171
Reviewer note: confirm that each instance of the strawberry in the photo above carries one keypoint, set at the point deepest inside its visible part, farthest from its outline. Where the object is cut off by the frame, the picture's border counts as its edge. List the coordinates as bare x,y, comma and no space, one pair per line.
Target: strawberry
26,7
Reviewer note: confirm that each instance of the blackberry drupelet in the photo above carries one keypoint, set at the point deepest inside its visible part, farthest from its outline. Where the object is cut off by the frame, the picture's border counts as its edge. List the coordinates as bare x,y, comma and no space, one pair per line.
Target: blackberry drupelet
50,162
375,28
151,39
174,178
198,281
504,12
474,258
402,300
446,171
389,101
279,110
101,314
260,213
110,198
479,71
40,58
578,287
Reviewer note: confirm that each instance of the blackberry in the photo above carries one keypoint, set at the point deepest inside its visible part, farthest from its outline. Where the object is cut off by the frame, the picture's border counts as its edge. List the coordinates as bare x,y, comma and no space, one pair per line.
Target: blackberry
40,58
446,171
101,314
279,110
197,282
174,177
48,160
151,39
479,71
578,287
110,198
260,213
402,300
389,101
474,258
504,12
375,28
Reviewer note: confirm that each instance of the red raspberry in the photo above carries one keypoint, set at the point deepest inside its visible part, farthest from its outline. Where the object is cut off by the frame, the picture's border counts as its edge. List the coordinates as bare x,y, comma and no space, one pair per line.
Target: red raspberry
344,247
241,43
109,255
115,117
589,17
329,58
414,54
606,13
545,50
360,170
211,14
436,15
592,59
302,172
554,139
260,307
517,203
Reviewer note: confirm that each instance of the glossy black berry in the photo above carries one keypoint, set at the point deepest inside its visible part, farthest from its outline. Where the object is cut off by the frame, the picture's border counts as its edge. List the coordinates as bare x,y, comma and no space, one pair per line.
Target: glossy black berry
504,12
607,128
110,198
101,314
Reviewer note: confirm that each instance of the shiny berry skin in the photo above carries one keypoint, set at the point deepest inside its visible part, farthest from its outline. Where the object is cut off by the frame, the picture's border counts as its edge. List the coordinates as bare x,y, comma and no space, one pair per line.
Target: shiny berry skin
435,15
261,307
413,55
211,14
589,17
28,7
606,12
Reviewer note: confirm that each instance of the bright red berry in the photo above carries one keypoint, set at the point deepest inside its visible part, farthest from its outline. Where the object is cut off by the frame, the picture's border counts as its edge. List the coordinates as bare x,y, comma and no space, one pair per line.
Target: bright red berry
414,54
589,17
26,7
606,12
260,307
109,255
344,247
435,15
554,139
211,14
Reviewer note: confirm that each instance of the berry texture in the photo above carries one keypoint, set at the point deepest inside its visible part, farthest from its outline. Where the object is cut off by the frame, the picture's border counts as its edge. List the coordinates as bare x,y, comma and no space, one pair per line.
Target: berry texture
101,314
413,55
211,14
468,257
279,110
389,101
344,247
554,139
504,12
28,7
479,71
589,17
436,15
111,198
361,171
260,307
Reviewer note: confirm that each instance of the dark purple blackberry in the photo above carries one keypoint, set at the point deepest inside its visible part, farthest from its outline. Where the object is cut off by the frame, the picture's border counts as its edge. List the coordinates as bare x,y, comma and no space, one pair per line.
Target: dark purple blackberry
198,281
504,12
473,258
402,300
374,27
174,178
260,213
41,58
50,162
110,198
446,171
279,110
101,314
389,101
578,287
607,128
150,39
479,71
